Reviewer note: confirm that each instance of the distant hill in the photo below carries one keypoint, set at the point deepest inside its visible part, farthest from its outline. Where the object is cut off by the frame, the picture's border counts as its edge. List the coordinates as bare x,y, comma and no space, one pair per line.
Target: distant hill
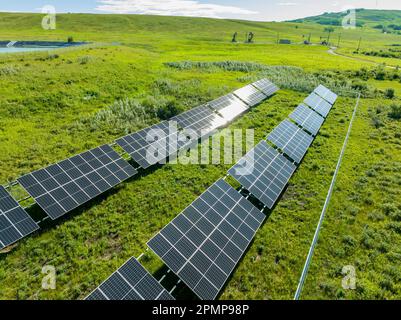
388,20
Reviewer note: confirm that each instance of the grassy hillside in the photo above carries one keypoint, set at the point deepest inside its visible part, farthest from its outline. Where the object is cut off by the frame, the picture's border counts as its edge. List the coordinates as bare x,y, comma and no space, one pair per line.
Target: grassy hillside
55,104
364,17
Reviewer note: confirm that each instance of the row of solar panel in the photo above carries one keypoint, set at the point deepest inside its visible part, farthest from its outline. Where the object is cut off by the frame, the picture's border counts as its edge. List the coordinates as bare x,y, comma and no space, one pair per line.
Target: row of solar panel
156,143
205,242
64,186
265,171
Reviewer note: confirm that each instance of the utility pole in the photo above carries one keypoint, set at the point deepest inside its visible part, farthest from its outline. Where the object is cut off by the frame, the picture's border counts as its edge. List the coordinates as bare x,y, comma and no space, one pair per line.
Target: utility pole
359,44
339,38
328,38
310,36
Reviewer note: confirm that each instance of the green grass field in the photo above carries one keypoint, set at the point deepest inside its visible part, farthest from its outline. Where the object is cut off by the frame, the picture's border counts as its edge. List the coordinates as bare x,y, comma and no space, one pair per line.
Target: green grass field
56,104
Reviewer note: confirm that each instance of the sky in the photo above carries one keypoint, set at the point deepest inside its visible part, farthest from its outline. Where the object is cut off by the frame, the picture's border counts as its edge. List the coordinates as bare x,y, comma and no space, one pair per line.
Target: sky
263,10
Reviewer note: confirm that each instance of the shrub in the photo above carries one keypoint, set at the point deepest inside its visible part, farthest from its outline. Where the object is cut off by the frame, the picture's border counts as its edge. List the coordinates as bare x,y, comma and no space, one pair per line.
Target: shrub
395,112
377,123
84,59
168,111
389,93
70,39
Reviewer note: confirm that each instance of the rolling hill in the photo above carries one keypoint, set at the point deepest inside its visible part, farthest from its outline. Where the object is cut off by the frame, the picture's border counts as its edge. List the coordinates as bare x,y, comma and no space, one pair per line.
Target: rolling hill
364,17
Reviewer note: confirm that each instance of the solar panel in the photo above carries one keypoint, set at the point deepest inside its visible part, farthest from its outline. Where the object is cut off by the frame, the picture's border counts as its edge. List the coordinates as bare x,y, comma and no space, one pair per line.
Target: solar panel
291,139
15,223
153,144
201,120
266,86
264,172
130,282
250,95
205,242
326,94
229,106
70,183
307,118
318,104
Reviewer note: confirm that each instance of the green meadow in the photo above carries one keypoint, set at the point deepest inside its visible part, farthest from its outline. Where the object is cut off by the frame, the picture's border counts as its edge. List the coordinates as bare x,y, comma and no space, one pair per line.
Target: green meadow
138,70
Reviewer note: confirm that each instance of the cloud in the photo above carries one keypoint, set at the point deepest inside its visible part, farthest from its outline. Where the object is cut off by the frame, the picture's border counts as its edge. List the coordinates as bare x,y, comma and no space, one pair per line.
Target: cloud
287,4
191,8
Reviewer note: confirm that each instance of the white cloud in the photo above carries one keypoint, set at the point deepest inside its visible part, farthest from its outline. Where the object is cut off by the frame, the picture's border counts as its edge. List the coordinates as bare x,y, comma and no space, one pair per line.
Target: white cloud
191,8
287,4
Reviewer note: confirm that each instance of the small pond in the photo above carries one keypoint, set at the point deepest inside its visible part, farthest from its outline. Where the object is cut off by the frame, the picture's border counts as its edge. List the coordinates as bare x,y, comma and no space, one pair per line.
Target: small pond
29,46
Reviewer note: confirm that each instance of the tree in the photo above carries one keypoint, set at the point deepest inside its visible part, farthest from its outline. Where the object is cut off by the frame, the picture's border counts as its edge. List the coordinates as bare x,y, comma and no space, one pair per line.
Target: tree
234,37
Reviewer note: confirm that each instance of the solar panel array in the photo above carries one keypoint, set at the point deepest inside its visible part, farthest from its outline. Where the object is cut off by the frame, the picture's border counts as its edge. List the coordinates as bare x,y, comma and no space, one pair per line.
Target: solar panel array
318,104
229,107
64,186
15,223
291,139
266,86
204,243
70,183
250,95
326,94
264,172
130,282
307,118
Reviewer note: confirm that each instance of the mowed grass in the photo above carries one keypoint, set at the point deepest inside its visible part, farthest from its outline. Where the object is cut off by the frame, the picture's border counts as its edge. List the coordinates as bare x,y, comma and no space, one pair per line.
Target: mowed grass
47,107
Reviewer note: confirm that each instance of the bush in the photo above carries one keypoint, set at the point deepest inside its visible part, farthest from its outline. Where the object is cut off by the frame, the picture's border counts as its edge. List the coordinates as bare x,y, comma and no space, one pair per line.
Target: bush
395,112
389,93
168,111
380,73
84,59
377,123
70,39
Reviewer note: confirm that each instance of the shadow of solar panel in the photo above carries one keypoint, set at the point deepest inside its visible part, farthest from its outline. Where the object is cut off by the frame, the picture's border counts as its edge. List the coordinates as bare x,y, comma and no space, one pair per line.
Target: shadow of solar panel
326,94
264,172
266,86
229,106
318,104
70,183
130,282
201,120
291,139
250,95
307,118
15,223
205,242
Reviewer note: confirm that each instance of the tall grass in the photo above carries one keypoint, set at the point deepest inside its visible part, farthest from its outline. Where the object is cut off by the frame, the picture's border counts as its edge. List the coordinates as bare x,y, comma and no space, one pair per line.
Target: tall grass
286,77
123,116
8,70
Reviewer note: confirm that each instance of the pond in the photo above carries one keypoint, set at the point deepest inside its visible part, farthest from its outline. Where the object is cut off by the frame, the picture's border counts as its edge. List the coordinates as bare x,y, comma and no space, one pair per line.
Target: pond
7,46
